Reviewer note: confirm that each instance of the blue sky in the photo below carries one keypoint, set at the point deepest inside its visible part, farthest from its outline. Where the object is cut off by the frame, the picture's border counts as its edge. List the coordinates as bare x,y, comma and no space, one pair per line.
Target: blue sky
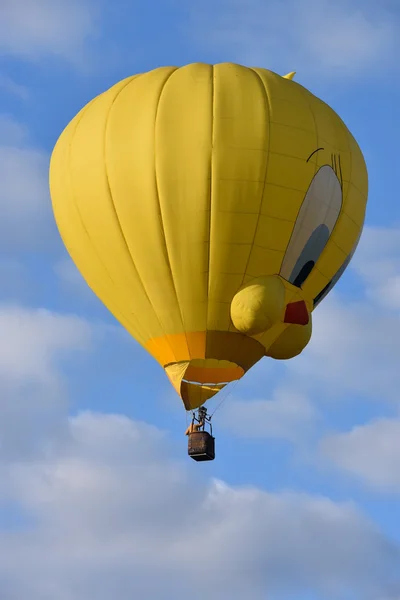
97,495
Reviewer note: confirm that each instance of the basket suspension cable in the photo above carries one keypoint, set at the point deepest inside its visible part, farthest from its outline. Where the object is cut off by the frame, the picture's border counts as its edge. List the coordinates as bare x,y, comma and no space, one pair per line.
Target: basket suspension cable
229,392
202,415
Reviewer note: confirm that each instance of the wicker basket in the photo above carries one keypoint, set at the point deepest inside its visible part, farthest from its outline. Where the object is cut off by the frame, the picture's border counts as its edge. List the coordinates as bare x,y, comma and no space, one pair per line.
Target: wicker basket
201,446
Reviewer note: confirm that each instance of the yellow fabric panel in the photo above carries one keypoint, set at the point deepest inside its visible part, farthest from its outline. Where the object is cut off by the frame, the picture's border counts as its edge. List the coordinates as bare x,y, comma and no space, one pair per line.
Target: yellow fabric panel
212,363
194,396
213,375
213,370
93,197
131,171
355,203
272,233
292,135
345,233
331,260
264,260
284,111
292,341
295,172
291,141
228,284
315,283
358,173
218,317
337,139
289,102
177,347
176,373
284,203
65,190
227,346
234,347
330,130
292,293
183,137
239,160
268,337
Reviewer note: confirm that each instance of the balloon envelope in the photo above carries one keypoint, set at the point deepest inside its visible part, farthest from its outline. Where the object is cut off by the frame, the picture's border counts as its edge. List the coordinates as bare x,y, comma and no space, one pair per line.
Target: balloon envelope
210,208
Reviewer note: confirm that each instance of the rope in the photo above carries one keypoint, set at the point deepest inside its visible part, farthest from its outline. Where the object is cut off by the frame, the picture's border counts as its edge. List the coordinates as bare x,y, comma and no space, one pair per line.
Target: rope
226,393
229,391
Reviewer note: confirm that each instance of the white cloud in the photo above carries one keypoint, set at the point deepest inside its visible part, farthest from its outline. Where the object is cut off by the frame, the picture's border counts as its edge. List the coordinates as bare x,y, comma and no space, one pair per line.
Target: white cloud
32,29
24,192
346,32
344,36
114,514
288,415
354,349
377,261
32,392
370,452
31,339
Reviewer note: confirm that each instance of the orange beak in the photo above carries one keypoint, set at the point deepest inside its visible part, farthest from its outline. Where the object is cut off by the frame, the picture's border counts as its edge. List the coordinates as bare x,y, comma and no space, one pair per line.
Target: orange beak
297,313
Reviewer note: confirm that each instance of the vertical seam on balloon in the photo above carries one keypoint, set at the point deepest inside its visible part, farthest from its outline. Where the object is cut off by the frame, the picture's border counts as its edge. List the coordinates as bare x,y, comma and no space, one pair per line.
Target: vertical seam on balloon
161,214
267,100
115,210
84,110
210,198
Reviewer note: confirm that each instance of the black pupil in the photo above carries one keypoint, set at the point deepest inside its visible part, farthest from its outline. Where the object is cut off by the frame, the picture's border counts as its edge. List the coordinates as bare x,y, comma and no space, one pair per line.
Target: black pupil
304,273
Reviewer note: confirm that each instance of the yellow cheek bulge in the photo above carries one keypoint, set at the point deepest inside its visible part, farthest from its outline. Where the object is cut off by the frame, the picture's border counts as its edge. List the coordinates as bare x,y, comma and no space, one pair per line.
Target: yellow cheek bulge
291,342
259,305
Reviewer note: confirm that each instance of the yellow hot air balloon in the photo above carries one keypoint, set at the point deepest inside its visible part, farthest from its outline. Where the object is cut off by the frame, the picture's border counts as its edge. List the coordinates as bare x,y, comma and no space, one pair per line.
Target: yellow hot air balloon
210,208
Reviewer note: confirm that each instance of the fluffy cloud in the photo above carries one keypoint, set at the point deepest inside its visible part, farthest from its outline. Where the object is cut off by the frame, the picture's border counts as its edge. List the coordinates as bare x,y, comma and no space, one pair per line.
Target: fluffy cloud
354,349
345,36
24,193
378,263
32,29
100,503
110,510
288,415
370,452
31,340
32,390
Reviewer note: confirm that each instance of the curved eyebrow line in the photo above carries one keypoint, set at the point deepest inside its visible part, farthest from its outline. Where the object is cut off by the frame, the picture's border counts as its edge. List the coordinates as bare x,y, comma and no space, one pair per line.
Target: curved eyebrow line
312,153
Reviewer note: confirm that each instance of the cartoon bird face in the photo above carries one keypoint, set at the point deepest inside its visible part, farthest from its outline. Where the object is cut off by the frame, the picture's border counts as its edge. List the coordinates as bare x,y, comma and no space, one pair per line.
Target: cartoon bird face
322,238
210,208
